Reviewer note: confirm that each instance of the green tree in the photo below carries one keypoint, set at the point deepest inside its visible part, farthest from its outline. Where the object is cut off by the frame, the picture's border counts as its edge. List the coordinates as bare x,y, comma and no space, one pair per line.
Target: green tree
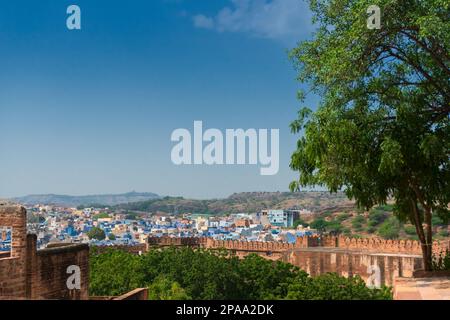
389,229
114,272
319,224
185,273
410,230
96,233
102,215
381,129
165,289
333,287
357,222
300,221
376,217
111,236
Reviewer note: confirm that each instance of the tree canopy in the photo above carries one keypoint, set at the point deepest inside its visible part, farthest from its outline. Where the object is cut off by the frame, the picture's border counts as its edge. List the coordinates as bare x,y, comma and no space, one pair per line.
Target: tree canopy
96,233
185,273
381,129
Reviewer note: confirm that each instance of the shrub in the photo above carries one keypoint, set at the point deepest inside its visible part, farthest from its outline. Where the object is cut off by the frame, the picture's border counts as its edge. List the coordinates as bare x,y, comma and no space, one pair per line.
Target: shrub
334,226
333,287
442,261
390,228
300,221
103,215
319,224
356,225
376,217
436,221
343,216
347,232
410,230
111,236
443,233
96,233
358,220
386,207
371,229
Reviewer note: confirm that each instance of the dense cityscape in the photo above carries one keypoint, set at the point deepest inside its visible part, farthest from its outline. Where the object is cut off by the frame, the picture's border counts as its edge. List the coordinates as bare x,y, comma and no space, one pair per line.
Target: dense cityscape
103,227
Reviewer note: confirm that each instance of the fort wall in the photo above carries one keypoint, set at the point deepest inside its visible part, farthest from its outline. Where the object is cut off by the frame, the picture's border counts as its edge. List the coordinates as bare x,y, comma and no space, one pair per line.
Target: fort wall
29,273
355,244
135,249
318,255
386,267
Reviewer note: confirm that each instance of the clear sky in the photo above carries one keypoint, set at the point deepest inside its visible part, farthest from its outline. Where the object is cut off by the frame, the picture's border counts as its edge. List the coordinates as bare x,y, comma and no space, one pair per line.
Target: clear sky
92,110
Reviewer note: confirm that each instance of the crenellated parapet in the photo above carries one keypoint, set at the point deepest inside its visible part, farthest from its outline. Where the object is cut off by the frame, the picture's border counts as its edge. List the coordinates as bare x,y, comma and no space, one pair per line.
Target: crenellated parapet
357,244
176,241
384,246
248,246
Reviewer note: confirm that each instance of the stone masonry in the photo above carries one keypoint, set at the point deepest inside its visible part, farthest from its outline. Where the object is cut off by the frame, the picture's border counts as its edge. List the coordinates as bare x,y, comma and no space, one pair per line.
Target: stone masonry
28,273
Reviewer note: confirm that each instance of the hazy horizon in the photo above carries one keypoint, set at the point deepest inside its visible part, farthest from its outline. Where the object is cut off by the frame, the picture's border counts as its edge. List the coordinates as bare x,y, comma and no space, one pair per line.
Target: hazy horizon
160,195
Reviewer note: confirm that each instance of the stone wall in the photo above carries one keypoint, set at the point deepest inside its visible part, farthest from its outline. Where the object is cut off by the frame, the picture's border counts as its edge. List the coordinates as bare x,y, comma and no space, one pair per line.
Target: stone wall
249,246
49,273
316,261
38,274
176,242
381,245
136,294
367,245
13,268
135,249
319,255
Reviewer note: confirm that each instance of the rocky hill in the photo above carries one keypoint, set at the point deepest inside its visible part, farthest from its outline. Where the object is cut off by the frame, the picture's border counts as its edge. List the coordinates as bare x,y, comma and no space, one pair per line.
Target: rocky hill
243,202
88,200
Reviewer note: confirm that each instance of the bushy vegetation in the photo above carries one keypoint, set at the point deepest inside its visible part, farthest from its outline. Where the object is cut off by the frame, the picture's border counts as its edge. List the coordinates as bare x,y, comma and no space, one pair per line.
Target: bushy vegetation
300,221
96,233
185,273
442,262
102,215
376,217
378,222
343,216
390,228
410,230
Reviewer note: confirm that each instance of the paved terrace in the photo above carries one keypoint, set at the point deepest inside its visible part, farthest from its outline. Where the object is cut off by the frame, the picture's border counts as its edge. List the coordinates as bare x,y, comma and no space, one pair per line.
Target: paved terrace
422,289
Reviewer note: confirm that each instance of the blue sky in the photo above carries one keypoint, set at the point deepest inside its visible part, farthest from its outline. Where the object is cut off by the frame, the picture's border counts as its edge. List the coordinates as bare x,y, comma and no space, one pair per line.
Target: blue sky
92,110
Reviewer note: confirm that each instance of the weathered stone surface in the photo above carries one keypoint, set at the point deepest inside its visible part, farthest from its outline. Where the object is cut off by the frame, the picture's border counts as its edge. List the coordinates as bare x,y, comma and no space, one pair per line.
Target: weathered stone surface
318,255
38,274
433,288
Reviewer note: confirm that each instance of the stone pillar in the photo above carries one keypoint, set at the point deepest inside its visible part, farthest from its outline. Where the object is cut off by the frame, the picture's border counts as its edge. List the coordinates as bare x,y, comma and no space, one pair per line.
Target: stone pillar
31,266
13,269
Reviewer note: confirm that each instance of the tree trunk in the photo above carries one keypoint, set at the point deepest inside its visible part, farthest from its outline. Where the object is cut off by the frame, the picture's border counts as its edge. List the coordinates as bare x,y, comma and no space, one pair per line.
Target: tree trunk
425,243
429,240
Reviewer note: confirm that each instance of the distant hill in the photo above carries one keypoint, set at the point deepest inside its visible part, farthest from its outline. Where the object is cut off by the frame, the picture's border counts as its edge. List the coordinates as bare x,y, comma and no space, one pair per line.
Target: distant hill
242,202
74,201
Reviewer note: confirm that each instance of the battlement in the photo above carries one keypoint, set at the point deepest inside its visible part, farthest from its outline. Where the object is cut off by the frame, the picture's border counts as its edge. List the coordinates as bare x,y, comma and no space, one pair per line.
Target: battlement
381,245
176,242
134,249
353,244
251,246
